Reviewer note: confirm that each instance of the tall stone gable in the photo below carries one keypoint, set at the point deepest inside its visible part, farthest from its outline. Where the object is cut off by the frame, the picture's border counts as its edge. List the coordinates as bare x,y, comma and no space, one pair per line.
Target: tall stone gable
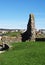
31,27
29,34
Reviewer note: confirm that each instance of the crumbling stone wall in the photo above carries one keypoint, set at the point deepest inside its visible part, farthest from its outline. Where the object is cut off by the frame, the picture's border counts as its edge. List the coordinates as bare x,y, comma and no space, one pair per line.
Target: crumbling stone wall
30,32
31,27
28,35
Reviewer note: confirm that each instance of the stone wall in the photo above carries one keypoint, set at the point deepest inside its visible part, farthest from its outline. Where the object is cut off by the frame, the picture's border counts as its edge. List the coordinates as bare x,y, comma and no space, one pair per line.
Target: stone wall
31,27
29,34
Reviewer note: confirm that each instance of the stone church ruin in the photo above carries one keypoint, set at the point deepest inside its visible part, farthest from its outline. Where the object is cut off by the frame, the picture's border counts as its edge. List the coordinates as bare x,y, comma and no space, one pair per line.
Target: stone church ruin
29,35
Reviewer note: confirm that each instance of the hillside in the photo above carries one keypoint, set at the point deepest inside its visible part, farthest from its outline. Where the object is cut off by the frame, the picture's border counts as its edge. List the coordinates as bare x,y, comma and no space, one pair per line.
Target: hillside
24,53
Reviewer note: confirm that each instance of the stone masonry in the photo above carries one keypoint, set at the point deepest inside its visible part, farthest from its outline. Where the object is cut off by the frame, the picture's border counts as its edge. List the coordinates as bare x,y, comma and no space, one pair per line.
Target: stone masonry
31,27
29,34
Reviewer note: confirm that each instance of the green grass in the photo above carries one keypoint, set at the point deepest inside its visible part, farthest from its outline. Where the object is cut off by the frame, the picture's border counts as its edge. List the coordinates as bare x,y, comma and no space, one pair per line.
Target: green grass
12,33
25,53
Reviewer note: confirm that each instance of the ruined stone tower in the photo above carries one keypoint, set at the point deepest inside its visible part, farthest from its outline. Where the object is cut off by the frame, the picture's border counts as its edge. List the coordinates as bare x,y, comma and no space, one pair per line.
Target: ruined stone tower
29,34
31,27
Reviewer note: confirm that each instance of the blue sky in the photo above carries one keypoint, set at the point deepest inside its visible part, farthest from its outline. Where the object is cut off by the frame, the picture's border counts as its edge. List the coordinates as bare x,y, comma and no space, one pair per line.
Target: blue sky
14,14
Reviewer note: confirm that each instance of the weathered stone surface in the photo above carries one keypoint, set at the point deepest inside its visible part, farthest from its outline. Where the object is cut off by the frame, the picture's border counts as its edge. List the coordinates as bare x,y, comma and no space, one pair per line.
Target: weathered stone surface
29,35
31,27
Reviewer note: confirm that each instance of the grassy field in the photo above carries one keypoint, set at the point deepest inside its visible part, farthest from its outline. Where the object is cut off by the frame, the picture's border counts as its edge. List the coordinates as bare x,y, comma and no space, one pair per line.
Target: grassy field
24,53
12,33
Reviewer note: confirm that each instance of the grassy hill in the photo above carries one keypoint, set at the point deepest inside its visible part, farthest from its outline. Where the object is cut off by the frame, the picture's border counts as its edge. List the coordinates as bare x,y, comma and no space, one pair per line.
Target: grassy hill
24,53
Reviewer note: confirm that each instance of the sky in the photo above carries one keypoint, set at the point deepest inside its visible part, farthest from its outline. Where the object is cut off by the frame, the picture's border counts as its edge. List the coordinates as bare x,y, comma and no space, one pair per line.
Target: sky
14,14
